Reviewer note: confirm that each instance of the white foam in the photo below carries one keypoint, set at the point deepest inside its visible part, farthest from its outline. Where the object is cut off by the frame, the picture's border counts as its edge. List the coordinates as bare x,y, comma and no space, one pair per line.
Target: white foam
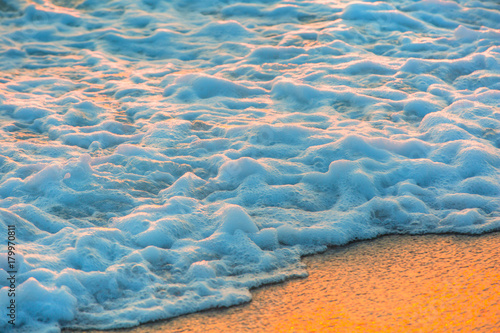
163,157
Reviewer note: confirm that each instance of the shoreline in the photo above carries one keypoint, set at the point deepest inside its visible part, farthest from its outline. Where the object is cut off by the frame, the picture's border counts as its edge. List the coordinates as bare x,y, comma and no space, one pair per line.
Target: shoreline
391,283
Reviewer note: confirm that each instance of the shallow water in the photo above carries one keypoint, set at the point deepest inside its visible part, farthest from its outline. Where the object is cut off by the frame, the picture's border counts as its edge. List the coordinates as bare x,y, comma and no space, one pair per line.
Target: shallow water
162,157
393,284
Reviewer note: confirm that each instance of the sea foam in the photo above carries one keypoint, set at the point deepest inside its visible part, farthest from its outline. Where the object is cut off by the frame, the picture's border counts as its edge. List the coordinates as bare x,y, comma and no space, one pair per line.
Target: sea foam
163,157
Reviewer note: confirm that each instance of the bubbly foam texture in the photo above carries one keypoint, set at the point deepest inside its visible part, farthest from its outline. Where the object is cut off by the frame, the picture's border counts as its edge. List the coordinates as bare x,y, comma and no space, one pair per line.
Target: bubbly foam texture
163,157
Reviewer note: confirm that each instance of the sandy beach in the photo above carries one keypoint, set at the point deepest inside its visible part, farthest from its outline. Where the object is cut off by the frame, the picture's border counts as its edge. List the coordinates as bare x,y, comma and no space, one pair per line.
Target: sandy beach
429,283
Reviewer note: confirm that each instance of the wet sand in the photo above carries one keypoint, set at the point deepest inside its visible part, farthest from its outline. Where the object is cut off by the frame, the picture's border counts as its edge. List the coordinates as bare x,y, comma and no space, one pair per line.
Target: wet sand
431,283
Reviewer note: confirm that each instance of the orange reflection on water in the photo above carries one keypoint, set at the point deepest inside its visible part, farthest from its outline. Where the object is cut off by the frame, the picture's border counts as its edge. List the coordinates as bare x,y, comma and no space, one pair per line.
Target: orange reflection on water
61,7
